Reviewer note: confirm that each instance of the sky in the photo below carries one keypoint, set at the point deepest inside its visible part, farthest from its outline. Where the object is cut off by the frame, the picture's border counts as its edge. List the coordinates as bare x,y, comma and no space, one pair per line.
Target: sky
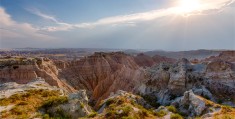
120,24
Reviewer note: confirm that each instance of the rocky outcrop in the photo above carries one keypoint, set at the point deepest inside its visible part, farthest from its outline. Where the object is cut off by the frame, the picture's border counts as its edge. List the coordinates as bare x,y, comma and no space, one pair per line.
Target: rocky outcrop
213,81
23,70
103,73
190,104
124,105
225,56
220,69
127,96
11,88
76,106
176,78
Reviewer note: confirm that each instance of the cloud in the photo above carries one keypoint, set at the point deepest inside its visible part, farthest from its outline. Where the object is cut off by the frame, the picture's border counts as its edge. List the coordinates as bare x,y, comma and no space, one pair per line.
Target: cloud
11,29
206,7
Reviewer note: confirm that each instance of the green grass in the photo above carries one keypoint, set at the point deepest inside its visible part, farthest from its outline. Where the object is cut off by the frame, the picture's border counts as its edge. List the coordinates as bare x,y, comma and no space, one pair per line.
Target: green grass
29,102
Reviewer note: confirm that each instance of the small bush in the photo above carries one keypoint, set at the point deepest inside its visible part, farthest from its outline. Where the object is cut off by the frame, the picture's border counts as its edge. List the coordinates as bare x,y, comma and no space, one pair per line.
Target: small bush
160,113
176,116
53,101
152,100
46,116
126,110
143,113
172,108
220,101
82,105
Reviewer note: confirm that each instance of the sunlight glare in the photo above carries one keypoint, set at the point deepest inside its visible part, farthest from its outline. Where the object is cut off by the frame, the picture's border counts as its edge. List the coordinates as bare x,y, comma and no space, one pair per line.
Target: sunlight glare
187,6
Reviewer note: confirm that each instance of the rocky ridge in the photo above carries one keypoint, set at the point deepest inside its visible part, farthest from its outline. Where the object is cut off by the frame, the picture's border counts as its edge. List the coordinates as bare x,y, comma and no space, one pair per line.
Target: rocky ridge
189,87
23,70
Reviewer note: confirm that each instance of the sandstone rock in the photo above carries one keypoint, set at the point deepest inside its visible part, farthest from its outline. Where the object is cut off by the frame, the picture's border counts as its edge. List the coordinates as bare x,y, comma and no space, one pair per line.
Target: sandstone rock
144,60
147,61
191,103
103,73
24,71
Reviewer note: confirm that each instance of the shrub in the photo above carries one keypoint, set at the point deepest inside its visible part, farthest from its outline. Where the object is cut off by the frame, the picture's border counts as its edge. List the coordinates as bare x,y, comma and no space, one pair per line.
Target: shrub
171,108
152,100
160,113
143,113
53,101
176,116
125,110
82,105
220,101
46,116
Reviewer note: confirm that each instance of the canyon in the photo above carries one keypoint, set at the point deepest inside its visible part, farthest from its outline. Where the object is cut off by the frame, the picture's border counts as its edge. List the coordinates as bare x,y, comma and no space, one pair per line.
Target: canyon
160,80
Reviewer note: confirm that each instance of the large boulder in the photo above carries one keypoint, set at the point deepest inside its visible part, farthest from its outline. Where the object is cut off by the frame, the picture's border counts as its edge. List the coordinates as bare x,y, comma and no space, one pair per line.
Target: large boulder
190,103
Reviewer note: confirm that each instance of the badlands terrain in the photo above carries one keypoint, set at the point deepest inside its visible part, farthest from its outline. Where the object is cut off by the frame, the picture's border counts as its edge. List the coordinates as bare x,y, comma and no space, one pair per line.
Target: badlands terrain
114,84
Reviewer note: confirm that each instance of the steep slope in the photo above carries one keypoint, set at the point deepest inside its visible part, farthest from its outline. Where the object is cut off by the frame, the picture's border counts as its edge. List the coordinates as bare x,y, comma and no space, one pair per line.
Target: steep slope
144,60
103,73
214,81
23,70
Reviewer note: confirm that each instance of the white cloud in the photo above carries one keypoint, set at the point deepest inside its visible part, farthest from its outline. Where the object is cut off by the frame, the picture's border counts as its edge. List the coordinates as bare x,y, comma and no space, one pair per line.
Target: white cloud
206,6
11,29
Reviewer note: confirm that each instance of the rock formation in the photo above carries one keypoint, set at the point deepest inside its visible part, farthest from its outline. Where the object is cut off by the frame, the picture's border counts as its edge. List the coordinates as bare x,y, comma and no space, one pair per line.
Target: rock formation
225,56
24,70
77,106
103,73
169,81
50,100
144,60
147,61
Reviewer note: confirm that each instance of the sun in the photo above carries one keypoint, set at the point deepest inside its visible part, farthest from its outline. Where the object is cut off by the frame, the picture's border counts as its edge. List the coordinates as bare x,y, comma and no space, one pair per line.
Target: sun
187,6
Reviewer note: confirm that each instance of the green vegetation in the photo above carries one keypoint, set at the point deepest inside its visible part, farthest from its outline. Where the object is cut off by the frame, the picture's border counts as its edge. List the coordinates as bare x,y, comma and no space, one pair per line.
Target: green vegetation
176,116
171,108
54,101
27,104
124,108
152,100
160,113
